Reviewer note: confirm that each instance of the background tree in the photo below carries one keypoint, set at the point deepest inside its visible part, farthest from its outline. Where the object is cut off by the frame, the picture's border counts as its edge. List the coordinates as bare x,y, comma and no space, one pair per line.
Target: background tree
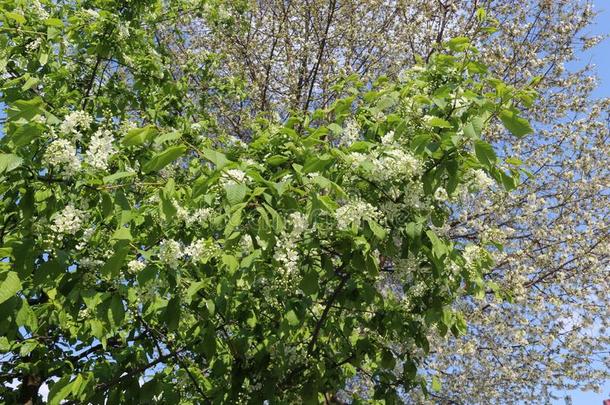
553,336
150,256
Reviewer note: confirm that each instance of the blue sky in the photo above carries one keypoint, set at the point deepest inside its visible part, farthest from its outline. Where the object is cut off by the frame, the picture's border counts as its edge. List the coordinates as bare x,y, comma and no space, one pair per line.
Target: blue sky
600,56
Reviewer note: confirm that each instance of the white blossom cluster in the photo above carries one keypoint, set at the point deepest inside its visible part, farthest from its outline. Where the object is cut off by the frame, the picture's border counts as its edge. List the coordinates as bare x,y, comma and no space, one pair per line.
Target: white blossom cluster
388,138
473,254
196,217
350,133
286,251
354,212
68,221
440,194
61,154
38,9
135,266
75,123
201,250
170,253
480,179
100,149
393,164
233,176
34,45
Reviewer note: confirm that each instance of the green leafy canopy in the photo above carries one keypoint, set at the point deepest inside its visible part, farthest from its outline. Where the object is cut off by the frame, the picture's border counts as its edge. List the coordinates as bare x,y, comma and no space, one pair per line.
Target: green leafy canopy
150,257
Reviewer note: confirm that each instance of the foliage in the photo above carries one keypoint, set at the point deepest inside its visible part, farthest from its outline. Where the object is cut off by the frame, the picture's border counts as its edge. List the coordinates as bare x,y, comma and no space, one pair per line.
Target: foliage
146,260
553,337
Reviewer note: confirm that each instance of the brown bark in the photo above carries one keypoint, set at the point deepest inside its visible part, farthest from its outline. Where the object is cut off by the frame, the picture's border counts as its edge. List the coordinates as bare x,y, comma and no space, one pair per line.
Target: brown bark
28,392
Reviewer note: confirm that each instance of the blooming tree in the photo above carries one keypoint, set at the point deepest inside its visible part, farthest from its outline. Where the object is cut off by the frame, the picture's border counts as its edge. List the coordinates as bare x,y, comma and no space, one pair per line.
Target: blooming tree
149,255
553,336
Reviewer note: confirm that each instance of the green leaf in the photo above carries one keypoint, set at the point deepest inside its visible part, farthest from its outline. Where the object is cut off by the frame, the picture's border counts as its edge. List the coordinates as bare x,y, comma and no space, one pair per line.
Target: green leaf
276,160
26,317
211,307
439,123
172,314
26,109
9,286
24,134
29,83
113,265
235,192
231,262
60,390
458,44
309,283
318,164
485,153
116,311
9,162
138,136
234,222
170,136
168,209
219,159
438,246
508,181
378,231
436,384
117,176
16,17
54,22
516,125
162,159
292,318
122,234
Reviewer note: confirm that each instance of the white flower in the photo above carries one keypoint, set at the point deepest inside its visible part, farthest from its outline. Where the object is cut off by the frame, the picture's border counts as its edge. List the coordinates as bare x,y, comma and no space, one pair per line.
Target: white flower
441,194
233,176
388,138
355,159
350,134
170,252
92,13
100,149
38,9
481,180
397,164
199,216
88,263
201,250
32,46
286,252
87,234
287,256
299,223
75,121
354,212
472,255
68,221
246,244
135,266
61,153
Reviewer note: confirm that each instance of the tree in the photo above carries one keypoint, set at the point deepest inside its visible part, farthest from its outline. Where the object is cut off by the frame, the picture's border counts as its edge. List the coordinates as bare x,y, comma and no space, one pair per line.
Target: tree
553,336
145,260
